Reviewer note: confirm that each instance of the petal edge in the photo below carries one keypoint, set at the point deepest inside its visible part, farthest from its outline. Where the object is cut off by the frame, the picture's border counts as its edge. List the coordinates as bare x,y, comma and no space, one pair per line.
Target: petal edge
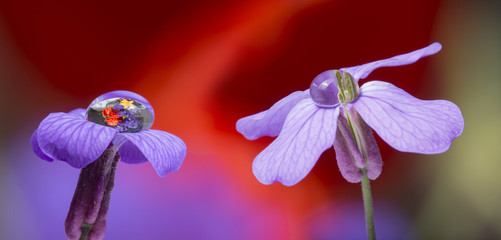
163,150
406,123
308,131
271,121
36,148
362,71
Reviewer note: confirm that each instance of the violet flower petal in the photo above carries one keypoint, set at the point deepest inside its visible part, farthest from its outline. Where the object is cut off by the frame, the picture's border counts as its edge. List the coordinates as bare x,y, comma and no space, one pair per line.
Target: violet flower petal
69,138
130,154
165,151
362,71
270,122
308,131
36,148
406,123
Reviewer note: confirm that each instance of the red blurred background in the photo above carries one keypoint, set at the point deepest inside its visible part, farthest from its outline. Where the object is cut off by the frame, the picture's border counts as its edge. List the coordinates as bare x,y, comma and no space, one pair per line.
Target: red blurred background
203,65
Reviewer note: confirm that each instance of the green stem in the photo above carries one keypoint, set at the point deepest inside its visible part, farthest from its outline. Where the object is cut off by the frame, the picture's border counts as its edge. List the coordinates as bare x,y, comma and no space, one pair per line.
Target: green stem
369,214
86,228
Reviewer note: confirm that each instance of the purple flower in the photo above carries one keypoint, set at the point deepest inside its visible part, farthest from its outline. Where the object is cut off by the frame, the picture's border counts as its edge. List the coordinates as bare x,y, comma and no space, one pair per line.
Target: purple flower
70,137
118,107
336,112
115,126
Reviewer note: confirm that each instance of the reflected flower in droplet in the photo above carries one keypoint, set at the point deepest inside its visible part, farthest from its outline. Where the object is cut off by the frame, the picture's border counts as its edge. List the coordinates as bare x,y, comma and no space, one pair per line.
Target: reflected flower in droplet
336,112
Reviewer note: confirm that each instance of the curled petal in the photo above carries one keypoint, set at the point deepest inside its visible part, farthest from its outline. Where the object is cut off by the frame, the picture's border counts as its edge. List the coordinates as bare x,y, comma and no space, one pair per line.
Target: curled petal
165,151
129,153
374,161
68,137
308,131
36,148
348,157
362,71
270,122
406,123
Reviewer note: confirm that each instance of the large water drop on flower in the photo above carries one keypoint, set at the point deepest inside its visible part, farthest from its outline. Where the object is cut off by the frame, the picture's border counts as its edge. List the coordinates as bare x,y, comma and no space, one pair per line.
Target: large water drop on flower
123,114
323,89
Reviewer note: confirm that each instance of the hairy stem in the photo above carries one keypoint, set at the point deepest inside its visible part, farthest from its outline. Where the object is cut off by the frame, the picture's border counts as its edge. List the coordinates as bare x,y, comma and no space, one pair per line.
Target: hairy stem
86,217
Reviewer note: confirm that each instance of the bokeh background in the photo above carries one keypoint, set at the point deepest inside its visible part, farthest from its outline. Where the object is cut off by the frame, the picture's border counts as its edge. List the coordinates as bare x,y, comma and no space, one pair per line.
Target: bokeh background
205,64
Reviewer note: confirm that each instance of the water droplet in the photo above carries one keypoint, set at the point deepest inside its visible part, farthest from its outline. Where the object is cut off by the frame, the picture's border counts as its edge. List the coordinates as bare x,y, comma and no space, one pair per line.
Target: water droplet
323,89
123,114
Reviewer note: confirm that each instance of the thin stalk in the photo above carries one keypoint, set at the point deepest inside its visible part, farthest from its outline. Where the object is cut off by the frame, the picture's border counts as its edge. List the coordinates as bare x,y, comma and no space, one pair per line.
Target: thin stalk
369,214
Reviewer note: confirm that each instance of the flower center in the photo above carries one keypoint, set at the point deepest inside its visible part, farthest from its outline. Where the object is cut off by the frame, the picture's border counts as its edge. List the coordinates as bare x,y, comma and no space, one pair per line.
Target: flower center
123,114
332,87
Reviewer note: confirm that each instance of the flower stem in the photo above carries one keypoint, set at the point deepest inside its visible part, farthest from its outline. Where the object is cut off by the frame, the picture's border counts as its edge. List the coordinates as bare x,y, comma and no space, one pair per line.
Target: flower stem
89,207
369,214
86,228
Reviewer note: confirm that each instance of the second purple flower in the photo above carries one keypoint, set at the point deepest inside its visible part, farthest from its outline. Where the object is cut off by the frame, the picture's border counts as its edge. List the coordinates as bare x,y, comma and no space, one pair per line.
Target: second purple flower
336,112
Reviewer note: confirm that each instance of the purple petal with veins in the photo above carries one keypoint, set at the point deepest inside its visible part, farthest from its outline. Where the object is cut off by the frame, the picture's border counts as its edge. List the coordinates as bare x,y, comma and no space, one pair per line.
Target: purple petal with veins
130,154
69,138
165,151
307,132
406,123
362,71
270,122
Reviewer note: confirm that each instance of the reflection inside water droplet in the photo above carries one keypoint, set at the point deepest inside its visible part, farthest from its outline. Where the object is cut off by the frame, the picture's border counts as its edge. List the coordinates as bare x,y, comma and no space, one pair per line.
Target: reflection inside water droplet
123,114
